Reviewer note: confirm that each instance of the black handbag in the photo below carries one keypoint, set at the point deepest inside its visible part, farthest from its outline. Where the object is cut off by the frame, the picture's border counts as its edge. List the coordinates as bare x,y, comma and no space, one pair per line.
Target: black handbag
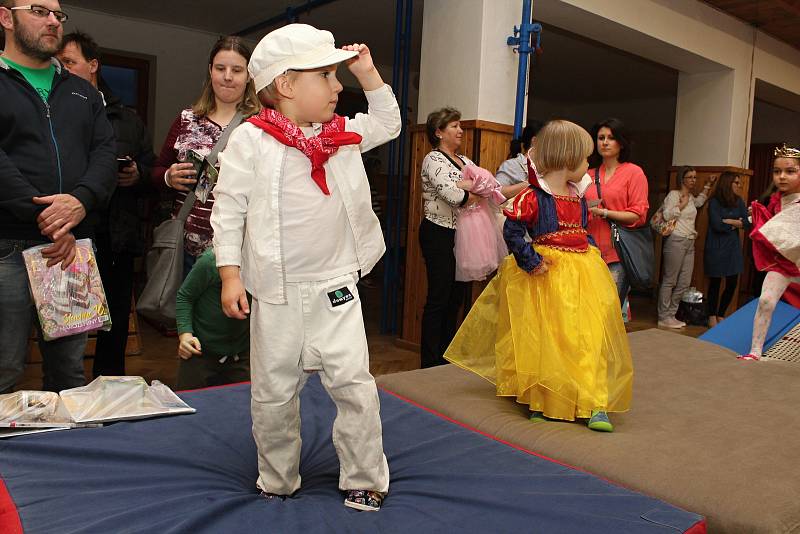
693,313
634,248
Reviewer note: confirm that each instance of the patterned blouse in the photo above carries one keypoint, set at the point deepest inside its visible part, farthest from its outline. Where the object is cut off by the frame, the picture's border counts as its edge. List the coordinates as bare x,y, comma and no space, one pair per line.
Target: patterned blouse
189,132
440,196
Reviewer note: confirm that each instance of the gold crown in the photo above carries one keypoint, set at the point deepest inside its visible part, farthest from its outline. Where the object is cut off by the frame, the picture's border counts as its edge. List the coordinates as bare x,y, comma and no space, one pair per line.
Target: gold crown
786,152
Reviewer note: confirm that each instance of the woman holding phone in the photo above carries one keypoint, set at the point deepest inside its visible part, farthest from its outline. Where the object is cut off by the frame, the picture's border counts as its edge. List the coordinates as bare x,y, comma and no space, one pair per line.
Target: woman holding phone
228,89
624,190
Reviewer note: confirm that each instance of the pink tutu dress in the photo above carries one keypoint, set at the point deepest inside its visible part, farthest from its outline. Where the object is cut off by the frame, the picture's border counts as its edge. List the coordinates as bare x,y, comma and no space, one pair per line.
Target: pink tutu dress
479,244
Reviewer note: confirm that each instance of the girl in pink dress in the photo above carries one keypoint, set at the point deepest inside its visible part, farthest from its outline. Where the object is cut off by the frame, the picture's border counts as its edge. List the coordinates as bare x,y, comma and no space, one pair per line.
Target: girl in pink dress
479,245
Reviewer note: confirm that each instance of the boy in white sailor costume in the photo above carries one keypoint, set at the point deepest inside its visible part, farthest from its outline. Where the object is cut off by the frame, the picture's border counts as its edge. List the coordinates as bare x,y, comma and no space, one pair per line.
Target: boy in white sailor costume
293,225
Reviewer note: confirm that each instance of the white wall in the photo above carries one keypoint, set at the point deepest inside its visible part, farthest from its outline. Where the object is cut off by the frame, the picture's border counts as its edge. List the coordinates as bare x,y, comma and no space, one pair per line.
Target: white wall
498,64
451,48
465,62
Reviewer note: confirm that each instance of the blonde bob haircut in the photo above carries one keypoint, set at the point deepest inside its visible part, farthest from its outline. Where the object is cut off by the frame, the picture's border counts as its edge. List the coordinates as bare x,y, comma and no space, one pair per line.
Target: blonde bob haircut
561,145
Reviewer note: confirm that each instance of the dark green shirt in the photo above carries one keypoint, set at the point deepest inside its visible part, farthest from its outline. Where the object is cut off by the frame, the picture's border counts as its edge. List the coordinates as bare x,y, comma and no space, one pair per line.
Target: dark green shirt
40,79
198,311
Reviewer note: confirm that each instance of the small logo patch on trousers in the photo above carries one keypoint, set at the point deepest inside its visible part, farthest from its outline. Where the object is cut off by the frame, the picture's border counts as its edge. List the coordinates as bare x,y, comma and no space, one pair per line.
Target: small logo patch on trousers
340,296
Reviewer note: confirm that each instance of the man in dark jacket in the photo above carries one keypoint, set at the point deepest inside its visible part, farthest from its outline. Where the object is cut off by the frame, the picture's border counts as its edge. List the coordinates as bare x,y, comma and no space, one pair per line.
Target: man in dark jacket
119,232
57,170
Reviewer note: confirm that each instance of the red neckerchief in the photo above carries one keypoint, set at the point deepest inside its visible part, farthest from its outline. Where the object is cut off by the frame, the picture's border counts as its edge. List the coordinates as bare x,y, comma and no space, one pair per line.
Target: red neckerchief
318,148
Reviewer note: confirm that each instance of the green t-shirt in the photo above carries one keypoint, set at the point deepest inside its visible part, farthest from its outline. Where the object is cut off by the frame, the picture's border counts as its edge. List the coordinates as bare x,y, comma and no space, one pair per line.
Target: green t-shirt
40,79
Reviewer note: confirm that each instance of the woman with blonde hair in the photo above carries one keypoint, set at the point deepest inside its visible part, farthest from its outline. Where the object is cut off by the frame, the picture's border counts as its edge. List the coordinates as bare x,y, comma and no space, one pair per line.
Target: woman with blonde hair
547,329
228,89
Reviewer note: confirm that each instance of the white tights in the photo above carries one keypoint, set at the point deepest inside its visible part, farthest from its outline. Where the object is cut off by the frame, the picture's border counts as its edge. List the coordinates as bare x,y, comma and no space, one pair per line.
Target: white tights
772,290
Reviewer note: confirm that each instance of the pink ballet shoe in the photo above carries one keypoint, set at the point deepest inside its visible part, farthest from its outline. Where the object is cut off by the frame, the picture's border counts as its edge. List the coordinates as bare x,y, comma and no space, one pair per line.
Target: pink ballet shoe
750,356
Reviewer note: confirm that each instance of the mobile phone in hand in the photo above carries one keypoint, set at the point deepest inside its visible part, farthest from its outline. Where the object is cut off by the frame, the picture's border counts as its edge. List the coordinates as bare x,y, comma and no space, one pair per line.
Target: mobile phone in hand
123,163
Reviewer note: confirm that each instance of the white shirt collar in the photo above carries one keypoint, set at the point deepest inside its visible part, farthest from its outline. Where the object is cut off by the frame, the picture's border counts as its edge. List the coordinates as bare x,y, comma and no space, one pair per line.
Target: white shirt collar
579,187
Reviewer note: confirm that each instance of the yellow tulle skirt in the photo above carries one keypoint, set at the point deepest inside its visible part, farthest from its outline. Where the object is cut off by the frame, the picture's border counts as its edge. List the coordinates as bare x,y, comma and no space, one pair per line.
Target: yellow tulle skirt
554,341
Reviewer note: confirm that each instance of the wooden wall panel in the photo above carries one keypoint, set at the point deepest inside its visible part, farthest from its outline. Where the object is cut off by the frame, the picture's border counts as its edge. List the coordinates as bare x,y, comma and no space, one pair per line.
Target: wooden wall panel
486,144
415,284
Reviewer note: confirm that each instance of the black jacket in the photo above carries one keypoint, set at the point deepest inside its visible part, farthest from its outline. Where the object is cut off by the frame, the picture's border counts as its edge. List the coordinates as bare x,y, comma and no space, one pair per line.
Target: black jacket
63,146
122,222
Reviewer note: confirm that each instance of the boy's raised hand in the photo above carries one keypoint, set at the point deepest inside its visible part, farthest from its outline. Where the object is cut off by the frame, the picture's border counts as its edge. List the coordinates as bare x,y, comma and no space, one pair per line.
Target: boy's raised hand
363,67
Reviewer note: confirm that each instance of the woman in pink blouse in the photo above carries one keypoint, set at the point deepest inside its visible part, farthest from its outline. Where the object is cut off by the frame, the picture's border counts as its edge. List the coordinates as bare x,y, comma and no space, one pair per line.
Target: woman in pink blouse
228,89
623,186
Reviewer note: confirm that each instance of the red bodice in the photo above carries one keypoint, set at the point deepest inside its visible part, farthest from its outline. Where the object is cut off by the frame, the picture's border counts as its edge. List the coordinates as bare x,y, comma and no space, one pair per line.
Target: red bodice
570,235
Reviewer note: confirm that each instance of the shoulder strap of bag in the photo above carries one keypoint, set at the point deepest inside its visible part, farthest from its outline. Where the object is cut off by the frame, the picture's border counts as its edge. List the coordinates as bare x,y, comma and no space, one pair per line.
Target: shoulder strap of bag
597,182
223,139
188,202
612,224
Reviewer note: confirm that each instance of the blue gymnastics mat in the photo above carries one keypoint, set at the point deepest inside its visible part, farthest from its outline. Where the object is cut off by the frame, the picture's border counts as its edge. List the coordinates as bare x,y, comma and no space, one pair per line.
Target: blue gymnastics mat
196,473
736,331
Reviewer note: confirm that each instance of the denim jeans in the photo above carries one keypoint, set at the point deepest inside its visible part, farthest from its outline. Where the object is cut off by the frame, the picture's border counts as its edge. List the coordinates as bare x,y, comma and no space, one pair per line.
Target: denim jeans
62,365
620,280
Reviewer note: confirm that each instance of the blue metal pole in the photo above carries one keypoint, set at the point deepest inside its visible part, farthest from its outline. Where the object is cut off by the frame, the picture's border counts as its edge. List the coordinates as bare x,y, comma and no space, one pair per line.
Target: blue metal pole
389,271
523,43
401,168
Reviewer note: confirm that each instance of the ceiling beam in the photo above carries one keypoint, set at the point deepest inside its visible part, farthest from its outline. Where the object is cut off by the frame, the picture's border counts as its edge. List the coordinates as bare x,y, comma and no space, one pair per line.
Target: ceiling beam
290,15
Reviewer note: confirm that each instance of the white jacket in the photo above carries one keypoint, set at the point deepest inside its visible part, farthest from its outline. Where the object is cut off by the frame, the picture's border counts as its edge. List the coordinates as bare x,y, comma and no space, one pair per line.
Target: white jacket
249,195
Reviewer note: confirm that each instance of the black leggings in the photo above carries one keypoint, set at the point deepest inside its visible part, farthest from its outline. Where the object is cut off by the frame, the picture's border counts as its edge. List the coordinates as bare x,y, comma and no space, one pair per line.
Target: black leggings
717,306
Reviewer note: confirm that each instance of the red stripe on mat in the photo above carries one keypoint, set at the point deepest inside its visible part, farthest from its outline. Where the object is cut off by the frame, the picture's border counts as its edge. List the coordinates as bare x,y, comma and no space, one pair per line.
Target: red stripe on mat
10,522
697,528
212,387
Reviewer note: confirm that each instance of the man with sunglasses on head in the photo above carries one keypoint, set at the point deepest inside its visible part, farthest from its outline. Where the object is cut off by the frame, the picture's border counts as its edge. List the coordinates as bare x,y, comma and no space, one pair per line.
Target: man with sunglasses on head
57,171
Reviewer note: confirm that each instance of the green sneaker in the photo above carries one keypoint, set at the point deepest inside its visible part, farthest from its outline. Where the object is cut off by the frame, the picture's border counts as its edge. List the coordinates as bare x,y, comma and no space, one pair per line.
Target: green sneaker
538,416
600,422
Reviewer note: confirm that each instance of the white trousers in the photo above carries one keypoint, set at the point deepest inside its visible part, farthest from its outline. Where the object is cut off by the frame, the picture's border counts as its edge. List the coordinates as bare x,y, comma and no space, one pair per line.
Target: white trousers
321,328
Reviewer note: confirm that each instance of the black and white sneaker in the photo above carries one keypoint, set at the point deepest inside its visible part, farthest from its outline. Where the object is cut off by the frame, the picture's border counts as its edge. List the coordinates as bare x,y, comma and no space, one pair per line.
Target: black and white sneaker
272,496
364,500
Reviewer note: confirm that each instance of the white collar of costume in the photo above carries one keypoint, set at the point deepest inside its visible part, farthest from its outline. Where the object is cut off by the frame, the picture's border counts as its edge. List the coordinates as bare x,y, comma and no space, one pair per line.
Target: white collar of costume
579,187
